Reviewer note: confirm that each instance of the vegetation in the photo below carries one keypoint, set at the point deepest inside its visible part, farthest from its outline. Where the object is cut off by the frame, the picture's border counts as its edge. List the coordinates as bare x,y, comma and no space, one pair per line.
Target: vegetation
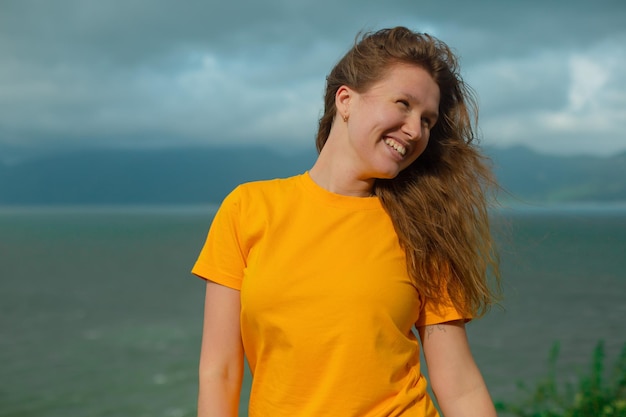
592,396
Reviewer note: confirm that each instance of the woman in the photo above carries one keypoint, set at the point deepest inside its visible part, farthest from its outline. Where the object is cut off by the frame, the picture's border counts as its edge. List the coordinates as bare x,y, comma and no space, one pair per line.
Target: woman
320,278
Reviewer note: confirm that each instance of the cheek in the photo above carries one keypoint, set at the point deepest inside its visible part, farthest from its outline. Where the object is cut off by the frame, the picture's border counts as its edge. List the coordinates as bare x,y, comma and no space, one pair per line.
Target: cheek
422,145
382,118
419,150
363,129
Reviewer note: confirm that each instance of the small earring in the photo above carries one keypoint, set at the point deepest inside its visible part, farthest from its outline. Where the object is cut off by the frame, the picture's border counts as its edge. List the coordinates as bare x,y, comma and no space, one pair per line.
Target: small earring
345,118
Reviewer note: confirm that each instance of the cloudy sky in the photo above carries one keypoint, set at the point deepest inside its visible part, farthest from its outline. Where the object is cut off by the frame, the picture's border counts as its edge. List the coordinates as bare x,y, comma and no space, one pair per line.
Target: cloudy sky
148,73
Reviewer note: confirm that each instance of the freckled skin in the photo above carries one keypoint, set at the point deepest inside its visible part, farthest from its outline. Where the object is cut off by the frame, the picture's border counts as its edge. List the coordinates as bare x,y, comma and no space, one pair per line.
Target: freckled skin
401,108
398,110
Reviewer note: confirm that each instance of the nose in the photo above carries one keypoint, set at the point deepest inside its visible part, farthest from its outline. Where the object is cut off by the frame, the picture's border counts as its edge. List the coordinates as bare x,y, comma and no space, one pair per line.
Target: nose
413,127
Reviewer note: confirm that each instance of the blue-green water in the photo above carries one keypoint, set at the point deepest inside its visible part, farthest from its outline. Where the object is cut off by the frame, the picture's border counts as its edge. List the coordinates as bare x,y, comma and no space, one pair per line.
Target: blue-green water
99,315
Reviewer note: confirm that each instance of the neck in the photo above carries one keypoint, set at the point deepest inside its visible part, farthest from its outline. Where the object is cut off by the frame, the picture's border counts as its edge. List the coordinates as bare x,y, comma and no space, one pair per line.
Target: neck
331,172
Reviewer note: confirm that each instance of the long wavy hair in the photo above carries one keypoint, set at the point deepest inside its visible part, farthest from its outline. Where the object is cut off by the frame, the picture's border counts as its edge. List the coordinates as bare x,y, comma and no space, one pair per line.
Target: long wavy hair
439,204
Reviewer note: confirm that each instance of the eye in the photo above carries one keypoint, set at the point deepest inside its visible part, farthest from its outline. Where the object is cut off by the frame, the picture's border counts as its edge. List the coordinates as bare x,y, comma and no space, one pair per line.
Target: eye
429,121
404,103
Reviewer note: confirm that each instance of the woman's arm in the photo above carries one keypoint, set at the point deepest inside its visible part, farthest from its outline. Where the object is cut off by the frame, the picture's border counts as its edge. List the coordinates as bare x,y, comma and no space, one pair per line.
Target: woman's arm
221,357
455,379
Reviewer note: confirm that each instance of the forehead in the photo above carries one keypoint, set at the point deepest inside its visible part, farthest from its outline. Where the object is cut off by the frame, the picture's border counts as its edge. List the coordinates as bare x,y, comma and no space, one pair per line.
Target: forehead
409,80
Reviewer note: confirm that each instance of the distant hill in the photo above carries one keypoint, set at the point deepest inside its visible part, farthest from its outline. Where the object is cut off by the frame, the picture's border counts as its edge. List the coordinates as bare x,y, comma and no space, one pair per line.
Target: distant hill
532,176
172,176
206,175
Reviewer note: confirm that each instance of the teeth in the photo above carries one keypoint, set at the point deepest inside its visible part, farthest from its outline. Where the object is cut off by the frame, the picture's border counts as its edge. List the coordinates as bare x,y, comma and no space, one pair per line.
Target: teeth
397,146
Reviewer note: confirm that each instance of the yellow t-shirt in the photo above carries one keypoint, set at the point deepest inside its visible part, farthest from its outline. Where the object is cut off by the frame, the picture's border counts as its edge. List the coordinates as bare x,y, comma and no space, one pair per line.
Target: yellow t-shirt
327,305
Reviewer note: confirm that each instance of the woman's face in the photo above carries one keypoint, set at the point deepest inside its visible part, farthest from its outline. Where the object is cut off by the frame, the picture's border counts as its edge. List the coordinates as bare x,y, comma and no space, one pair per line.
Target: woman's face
389,124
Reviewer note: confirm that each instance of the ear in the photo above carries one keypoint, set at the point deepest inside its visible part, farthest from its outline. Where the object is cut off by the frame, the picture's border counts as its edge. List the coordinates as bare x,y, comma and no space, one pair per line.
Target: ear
343,97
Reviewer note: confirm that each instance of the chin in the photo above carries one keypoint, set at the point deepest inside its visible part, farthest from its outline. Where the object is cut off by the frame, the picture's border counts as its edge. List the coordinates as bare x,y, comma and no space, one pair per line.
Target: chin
388,175
387,171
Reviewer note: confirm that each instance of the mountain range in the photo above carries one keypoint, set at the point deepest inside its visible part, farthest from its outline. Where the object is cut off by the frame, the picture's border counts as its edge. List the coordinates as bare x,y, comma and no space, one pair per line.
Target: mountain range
206,175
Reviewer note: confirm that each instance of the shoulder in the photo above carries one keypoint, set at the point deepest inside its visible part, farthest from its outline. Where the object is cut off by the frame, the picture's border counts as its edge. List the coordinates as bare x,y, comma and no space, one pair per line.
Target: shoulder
251,205
256,194
273,188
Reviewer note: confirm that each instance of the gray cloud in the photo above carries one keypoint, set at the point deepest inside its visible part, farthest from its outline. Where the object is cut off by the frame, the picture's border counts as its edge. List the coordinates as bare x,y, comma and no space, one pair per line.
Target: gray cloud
154,73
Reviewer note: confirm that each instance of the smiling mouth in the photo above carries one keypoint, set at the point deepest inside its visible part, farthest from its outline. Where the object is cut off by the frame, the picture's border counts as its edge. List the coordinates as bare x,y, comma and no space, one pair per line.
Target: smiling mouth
397,146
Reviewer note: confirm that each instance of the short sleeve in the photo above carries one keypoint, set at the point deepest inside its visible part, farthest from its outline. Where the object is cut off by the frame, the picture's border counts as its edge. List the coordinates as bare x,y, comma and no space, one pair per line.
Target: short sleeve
439,311
436,313
222,258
